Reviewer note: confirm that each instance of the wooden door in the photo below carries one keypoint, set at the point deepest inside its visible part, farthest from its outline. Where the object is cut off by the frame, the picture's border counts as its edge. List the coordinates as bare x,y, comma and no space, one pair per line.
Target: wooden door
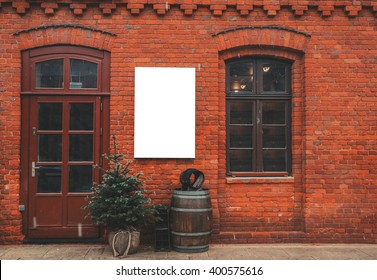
64,144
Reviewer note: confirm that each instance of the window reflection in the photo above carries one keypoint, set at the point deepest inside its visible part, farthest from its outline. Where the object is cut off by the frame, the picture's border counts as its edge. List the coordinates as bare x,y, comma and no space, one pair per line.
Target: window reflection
274,137
80,178
273,77
274,113
83,74
81,147
49,179
241,160
49,74
275,160
50,116
241,113
240,137
50,147
241,77
81,116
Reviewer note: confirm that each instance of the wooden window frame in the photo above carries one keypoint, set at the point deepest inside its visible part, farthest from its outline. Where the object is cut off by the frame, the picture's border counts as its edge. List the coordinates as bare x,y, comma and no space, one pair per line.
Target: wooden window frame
31,57
257,97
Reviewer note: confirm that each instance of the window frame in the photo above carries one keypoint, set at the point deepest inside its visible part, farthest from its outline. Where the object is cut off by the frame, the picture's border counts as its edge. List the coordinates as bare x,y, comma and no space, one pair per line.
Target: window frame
257,98
31,57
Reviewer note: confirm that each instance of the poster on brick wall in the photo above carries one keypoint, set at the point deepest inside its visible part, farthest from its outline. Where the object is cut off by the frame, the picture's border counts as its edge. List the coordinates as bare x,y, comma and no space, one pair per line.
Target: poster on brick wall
164,112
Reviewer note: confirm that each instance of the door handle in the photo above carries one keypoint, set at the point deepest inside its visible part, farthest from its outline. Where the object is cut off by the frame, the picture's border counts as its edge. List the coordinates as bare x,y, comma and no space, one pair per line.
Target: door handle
33,168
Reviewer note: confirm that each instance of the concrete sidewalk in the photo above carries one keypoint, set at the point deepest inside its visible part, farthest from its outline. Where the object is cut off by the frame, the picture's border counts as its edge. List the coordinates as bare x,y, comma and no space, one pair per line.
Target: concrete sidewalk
216,252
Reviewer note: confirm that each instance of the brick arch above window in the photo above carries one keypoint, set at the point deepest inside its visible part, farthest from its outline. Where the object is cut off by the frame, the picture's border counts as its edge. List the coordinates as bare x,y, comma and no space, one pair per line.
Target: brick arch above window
67,34
262,36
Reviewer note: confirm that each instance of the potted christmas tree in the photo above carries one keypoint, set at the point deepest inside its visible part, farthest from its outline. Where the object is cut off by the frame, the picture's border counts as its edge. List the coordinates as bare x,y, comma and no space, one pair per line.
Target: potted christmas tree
119,204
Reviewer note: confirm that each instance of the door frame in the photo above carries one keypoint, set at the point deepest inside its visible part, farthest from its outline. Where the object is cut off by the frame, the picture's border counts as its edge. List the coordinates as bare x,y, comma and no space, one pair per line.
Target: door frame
28,92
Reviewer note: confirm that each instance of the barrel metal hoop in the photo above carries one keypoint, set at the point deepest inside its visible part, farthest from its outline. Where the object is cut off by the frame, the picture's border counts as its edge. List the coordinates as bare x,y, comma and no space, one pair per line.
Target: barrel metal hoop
191,249
191,234
191,197
191,210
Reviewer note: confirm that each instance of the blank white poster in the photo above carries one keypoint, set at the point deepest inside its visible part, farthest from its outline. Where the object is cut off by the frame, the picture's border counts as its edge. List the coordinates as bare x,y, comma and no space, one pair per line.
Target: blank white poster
164,112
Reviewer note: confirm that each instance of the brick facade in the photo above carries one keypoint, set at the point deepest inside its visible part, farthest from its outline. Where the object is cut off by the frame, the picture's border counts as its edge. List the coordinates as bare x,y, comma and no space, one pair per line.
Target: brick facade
332,194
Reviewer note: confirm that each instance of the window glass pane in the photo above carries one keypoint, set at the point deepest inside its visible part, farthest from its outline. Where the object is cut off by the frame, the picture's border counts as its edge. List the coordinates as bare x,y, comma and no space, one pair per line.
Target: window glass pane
241,77
274,76
274,112
241,113
83,74
50,116
241,160
241,137
80,178
49,74
274,160
49,179
81,116
50,147
80,147
274,137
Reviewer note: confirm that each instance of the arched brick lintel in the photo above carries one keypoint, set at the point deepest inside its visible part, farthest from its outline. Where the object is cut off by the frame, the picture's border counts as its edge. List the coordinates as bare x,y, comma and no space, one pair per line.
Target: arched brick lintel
64,34
273,36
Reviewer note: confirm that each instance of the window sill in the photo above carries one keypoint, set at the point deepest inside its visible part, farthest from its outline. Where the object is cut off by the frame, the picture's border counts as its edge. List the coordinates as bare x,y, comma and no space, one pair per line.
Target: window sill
259,180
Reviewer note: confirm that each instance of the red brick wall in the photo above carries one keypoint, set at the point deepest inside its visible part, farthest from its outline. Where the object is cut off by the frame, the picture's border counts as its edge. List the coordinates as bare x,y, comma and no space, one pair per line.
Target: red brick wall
332,195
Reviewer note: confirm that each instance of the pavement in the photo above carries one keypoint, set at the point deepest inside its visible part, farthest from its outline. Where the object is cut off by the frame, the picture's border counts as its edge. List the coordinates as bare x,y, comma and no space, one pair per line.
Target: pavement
215,252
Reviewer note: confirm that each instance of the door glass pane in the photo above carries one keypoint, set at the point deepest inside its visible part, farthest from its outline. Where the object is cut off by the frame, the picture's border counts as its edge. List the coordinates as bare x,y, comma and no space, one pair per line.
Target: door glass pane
49,74
274,137
80,178
81,116
50,116
50,147
83,74
241,137
49,179
241,77
81,147
241,160
274,160
241,113
274,113
274,77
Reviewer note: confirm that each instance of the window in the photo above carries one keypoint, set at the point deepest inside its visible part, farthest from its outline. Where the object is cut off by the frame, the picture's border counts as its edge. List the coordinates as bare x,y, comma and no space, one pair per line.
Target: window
49,74
83,74
65,70
258,117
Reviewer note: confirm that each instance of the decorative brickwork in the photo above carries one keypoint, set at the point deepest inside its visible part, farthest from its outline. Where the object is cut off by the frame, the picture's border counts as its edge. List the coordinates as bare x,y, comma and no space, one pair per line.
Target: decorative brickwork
107,8
299,6
188,7
78,9
49,8
21,6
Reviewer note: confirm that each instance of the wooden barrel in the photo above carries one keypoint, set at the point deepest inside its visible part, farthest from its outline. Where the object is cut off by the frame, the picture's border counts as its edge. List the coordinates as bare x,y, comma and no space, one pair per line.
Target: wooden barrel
191,221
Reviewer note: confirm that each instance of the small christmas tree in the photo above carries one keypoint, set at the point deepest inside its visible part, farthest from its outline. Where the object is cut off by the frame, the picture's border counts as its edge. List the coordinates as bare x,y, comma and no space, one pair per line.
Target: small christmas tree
118,202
